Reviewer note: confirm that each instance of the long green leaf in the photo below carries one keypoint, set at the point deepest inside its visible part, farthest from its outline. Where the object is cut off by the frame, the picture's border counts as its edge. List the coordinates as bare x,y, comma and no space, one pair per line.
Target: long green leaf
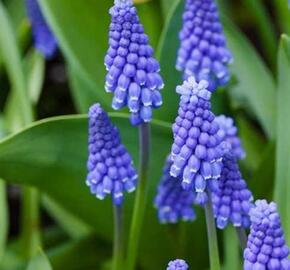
11,57
51,155
283,14
39,262
255,83
282,195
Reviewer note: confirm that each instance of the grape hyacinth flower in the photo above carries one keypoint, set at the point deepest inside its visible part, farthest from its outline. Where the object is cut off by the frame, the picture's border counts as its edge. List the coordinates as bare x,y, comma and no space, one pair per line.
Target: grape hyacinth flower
266,247
196,152
177,265
203,50
133,73
44,39
232,199
172,201
110,166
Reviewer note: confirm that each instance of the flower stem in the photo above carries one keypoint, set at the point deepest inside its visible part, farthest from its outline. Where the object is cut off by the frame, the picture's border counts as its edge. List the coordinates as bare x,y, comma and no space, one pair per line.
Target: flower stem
212,236
118,250
242,237
140,201
30,233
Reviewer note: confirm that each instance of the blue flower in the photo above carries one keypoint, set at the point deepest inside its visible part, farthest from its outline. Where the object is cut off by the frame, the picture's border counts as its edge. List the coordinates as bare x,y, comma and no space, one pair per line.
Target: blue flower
266,248
203,51
177,265
196,151
172,201
133,73
44,39
110,166
232,200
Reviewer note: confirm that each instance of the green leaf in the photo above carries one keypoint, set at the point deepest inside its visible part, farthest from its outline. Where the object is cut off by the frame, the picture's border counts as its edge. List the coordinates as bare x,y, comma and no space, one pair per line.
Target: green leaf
39,262
282,195
11,57
255,83
51,155
4,218
283,14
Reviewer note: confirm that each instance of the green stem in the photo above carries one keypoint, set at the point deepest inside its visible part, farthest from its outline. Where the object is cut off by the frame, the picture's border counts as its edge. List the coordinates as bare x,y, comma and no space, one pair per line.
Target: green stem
283,14
212,236
118,250
4,218
243,238
140,201
30,234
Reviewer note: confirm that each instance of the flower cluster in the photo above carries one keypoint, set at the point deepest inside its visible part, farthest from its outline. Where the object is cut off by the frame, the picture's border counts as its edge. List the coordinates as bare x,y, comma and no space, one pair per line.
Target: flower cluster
133,73
44,39
196,151
110,166
203,52
172,201
266,248
232,199
177,265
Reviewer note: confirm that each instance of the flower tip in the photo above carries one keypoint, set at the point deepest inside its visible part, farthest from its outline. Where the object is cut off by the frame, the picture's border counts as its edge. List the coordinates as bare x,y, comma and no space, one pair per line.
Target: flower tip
177,265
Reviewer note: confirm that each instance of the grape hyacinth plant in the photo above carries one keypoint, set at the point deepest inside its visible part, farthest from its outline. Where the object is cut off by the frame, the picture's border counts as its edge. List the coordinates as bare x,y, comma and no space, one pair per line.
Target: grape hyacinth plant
203,50
44,39
266,248
133,73
172,201
110,166
196,152
232,199
177,265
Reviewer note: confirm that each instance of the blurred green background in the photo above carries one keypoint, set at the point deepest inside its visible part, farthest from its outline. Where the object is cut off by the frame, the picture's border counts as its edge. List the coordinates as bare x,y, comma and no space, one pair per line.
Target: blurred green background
50,154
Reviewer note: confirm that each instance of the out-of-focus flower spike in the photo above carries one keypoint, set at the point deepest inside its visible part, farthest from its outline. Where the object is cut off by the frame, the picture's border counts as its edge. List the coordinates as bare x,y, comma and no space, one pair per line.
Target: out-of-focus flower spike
266,247
133,73
177,265
229,132
44,39
172,201
203,52
110,166
196,152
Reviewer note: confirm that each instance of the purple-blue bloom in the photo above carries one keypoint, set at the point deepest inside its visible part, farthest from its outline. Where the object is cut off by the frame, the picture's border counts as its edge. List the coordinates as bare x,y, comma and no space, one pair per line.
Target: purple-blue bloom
196,151
203,50
266,247
172,201
177,265
44,39
110,166
232,199
133,72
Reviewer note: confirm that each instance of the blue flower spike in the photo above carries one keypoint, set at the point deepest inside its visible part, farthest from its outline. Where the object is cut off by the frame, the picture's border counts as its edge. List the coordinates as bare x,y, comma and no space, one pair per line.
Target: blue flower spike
232,200
196,151
44,39
203,50
266,247
172,201
177,265
110,166
132,71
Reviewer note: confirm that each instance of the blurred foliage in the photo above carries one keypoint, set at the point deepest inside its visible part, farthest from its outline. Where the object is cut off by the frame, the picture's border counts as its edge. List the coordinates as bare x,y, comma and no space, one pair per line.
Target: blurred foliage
51,154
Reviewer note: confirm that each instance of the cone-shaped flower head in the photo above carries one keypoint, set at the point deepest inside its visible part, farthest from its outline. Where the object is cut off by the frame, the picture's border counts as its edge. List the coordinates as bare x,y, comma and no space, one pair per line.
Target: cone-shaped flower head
266,248
229,131
44,39
110,166
203,51
196,151
172,201
133,73
177,265
232,200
